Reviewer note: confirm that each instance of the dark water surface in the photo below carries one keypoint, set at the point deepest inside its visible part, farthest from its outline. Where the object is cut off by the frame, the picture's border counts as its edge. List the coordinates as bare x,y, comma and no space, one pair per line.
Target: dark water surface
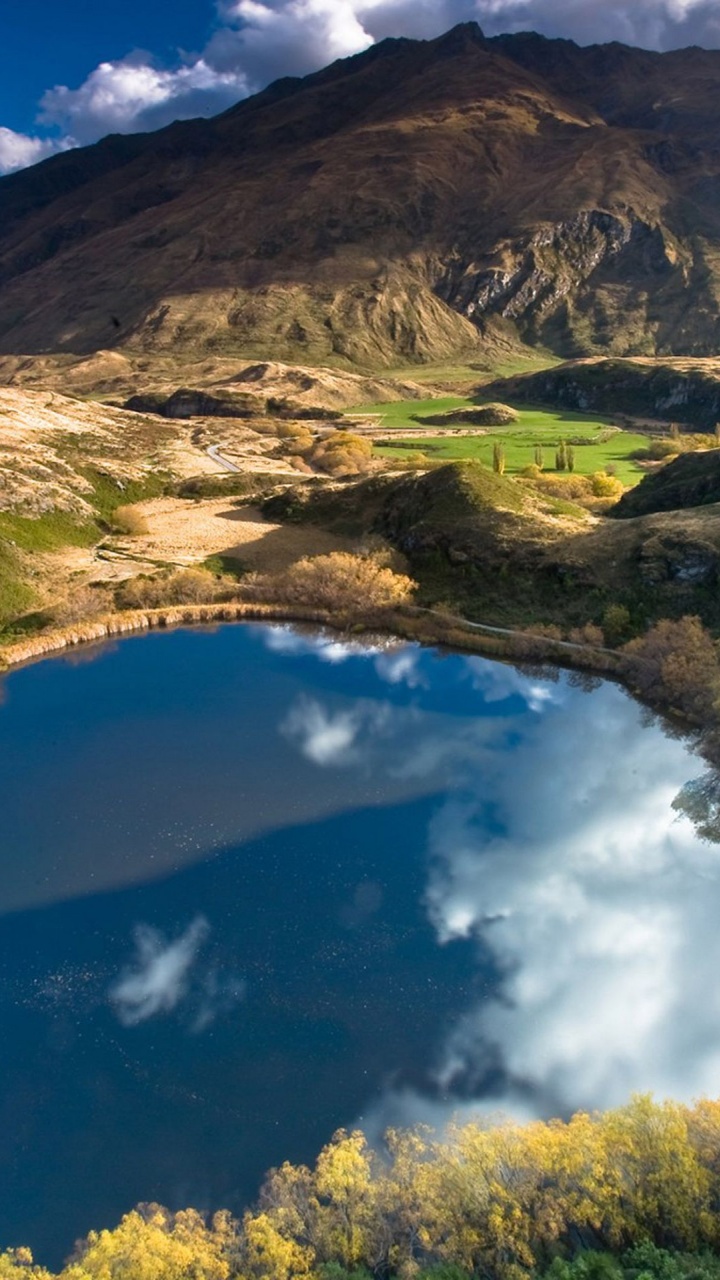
256,885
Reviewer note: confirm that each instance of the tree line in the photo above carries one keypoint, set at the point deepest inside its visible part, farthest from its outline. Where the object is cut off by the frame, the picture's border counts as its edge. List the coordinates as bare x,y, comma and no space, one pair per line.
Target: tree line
636,1189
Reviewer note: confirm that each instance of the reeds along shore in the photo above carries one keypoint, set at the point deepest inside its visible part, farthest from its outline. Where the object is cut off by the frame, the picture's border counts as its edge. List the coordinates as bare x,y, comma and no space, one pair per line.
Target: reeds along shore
406,623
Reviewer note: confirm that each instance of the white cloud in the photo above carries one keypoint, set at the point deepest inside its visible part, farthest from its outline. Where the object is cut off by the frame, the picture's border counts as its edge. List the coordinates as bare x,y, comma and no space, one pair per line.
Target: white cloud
597,903
324,737
651,24
261,40
133,95
497,682
17,150
401,666
158,980
322,644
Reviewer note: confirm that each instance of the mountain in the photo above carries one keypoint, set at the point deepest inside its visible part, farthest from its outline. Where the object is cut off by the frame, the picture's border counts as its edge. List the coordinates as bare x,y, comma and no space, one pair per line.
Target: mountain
423,201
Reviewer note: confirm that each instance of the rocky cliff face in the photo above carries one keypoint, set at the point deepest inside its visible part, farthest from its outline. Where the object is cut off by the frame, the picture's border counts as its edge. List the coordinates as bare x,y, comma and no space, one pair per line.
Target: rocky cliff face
671,390
422,201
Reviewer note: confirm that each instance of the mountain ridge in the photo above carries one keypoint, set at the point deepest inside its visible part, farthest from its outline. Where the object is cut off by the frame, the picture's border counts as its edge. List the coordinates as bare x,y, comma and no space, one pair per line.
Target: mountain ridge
420,201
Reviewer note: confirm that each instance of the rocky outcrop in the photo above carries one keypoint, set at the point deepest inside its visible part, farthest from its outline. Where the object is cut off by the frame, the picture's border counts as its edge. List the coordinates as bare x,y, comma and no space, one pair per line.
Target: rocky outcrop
682,391
193,403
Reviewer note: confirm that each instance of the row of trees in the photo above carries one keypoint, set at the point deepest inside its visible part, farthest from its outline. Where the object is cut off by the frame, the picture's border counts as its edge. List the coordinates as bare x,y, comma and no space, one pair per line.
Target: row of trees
497,1200
564,457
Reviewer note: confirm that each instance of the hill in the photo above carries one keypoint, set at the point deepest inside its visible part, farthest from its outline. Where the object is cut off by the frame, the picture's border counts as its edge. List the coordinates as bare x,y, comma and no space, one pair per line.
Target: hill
493,547
678,390
692,480
422,201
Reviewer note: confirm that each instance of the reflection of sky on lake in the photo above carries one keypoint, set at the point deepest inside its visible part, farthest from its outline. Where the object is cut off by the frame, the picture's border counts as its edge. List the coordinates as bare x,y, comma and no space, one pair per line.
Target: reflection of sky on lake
257,884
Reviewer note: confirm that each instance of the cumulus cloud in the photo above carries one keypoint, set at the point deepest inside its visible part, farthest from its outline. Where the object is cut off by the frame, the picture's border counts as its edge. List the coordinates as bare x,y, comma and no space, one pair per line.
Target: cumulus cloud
323,645
498,682
566,852
18,150
331,737
260,40
158,980
651,24
401,666
134,95
598,905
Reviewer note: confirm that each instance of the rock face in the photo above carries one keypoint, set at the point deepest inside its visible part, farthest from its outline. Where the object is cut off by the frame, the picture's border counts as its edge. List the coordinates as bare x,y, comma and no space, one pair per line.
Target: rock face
669,390
421,201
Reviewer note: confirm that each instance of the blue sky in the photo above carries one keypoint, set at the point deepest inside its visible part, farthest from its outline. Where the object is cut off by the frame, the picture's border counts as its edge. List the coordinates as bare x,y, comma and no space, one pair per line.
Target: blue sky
76,36
71,72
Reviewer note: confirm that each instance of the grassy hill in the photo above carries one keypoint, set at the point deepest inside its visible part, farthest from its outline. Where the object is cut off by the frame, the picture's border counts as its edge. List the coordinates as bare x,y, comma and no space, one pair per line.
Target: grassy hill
691,480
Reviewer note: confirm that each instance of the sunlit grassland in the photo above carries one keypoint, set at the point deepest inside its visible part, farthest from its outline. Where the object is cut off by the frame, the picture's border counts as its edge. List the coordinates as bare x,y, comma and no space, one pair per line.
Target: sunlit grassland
47,532
505,366
542,429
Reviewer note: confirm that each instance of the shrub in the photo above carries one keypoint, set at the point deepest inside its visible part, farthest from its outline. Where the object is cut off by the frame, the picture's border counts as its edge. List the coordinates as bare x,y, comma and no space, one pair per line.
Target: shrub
299,438
588,634
81,604
129,520
339,581
184,586
342,453
677,662
605,486
616,624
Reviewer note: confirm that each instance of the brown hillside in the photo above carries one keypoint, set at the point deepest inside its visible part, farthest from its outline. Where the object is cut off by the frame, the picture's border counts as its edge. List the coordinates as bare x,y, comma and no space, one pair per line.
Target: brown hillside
410,204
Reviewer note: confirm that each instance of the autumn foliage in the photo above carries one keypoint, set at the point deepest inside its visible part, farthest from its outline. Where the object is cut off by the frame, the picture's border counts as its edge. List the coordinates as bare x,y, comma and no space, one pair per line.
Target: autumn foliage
677,662
488,1199
340,581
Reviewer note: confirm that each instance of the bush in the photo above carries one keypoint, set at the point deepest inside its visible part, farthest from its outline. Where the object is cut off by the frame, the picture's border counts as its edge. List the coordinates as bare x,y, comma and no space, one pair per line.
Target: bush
616,624
81,605
339,581
129,520
676,662
605,486
299,438
185,586
342,453
588,634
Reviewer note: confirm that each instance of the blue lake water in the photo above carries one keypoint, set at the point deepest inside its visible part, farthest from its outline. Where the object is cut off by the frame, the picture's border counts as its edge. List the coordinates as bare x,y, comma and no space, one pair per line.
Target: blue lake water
258,884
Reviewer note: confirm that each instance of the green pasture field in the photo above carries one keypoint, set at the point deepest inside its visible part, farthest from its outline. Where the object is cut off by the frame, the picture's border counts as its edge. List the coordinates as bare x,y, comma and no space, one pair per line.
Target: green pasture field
543,427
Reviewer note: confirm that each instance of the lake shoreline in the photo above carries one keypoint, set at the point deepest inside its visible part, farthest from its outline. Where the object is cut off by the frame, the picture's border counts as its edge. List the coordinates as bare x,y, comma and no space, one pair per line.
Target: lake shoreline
402,622
406,623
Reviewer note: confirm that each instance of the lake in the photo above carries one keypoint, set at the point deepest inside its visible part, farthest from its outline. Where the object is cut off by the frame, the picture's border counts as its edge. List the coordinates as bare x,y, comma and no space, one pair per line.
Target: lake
258,884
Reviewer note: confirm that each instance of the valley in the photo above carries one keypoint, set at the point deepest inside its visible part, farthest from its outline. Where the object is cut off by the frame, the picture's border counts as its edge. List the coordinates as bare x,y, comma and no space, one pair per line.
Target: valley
411,367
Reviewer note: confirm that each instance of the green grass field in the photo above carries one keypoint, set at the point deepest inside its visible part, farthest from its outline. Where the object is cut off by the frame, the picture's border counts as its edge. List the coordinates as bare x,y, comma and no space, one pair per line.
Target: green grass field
537,427
48,532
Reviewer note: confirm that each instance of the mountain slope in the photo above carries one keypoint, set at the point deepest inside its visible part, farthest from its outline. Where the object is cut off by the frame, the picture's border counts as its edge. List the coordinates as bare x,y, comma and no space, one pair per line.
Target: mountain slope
414,203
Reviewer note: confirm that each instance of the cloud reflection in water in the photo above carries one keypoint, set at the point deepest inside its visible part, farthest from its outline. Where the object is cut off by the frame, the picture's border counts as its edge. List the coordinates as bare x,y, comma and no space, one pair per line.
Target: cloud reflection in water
559,850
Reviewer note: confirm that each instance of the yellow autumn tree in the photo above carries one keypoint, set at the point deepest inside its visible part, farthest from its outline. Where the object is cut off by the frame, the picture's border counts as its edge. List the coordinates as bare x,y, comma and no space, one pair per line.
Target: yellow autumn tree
664,1190
18,1264
346,1189
153,1244
269,1254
